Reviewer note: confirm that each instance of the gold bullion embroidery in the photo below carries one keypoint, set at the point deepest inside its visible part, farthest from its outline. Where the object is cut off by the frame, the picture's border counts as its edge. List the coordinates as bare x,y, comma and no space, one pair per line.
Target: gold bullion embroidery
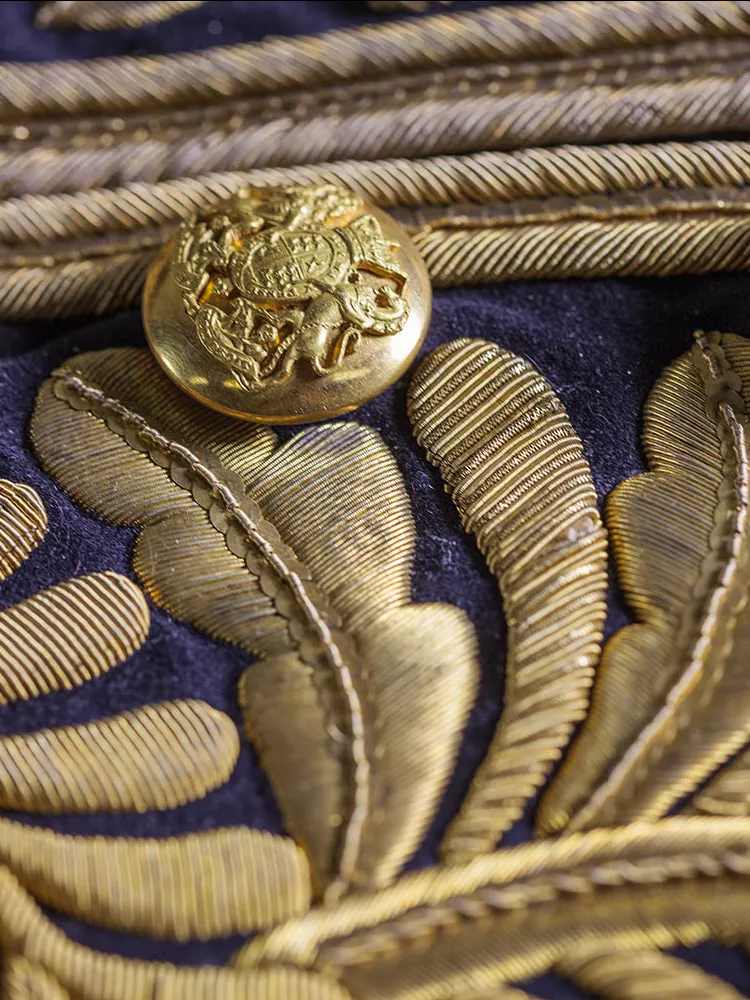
300,553
516,472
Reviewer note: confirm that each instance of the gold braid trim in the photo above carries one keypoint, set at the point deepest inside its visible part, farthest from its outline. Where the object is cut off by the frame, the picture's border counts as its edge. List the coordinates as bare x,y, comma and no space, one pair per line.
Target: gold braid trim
680,232
702,57
483,177
457,123
509,33
109,16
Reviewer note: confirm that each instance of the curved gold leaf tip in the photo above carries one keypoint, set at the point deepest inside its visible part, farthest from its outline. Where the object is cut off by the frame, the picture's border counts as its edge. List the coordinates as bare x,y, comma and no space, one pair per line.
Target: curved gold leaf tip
156,757
23,524
69,634
636,974
517,474
672,700
201,885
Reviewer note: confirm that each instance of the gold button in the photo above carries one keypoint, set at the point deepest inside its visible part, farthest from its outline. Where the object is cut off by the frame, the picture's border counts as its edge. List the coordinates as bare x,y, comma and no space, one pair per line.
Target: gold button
288,304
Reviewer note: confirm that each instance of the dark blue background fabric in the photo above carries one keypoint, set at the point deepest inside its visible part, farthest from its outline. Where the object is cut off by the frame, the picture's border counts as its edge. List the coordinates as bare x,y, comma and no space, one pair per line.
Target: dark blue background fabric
601,344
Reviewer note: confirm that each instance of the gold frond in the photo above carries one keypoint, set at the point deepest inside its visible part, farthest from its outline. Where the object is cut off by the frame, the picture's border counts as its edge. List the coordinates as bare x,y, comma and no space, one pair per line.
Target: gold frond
23,524
672,701
303,555
641,975
516,472
507,917
156,757
25,980
199,885
70,634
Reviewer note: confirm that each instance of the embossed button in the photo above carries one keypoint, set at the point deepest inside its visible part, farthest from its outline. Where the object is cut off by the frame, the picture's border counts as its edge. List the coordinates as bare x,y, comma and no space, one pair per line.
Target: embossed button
288,304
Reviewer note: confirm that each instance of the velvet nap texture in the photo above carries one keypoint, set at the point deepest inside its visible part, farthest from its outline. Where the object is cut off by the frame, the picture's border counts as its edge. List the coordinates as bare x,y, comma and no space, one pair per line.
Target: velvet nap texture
601,344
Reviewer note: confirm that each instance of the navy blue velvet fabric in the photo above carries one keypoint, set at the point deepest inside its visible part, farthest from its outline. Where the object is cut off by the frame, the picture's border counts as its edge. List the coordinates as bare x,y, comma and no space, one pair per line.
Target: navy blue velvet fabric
601,344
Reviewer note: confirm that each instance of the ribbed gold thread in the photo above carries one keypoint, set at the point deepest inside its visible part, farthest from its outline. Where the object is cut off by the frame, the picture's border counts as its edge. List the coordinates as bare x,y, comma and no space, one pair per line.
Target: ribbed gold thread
23,524
69,634
99,16
155,757
201,885
515,470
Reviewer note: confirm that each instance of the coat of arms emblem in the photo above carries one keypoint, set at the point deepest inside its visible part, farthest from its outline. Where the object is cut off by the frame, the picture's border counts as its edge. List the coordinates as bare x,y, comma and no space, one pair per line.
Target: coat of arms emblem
288,275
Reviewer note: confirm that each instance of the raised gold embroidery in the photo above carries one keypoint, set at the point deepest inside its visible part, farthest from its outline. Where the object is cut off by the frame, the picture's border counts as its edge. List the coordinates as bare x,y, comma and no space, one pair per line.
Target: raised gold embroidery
69,634
155,757
200,885
634,975
516,472
302,554
23,524
315,538
681,536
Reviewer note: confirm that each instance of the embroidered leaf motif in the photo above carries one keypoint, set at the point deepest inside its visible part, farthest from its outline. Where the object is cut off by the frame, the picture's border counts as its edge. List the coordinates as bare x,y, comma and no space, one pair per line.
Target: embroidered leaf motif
637,974
672,701
69,634
23,524
310,567
156,757
516,472
202,885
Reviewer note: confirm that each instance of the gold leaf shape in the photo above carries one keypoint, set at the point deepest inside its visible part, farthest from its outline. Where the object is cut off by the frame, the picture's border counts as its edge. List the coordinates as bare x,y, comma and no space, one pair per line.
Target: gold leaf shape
23,524
672,701
302,555
516,472
156,757
201,885
642,975
25,980
69,634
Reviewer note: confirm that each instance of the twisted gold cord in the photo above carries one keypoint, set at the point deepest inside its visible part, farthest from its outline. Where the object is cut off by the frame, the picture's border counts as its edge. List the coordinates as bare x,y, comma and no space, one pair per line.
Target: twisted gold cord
504,33
653,64
483,177
459,123
664,232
